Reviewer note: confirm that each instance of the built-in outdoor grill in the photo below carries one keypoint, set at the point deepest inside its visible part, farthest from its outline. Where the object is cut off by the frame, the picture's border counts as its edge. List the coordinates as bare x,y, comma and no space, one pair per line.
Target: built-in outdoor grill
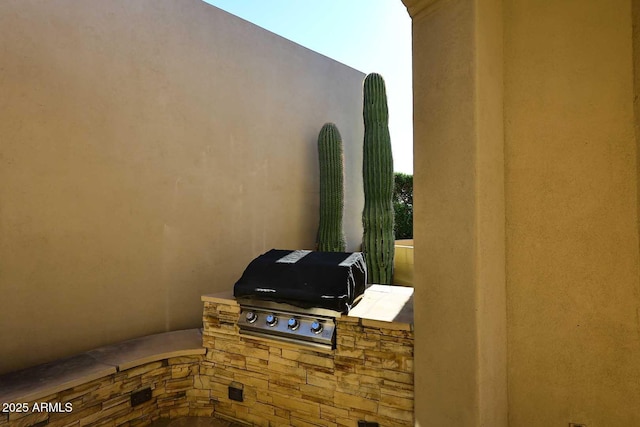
295,296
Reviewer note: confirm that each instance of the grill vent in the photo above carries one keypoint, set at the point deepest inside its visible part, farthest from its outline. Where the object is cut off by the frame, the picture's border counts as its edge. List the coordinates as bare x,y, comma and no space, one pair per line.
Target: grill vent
140,396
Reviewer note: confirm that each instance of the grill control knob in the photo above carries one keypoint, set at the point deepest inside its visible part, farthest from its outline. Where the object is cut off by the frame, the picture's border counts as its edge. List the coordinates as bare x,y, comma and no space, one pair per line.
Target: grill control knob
272,319
316,327
293,324
251,317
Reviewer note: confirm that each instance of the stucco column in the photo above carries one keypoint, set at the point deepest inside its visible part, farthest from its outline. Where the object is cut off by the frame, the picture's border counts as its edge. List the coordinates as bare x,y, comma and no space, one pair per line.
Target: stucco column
459,225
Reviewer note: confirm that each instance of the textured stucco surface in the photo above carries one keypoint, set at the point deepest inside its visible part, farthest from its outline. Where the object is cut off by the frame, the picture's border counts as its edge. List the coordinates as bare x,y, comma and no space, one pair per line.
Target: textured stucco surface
460,320
149,150
444,226
570,164
572,218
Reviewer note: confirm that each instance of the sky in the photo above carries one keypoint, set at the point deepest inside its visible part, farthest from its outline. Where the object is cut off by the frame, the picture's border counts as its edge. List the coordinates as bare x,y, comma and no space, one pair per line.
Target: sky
368,35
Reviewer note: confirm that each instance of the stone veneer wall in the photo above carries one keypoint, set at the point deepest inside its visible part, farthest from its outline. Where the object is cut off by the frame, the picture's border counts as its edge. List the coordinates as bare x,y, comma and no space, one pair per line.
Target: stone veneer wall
368,377
106,401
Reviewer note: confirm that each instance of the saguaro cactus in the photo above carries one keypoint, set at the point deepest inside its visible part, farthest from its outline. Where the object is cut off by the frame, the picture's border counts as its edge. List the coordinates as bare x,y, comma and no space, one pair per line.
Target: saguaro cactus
330,234
377,216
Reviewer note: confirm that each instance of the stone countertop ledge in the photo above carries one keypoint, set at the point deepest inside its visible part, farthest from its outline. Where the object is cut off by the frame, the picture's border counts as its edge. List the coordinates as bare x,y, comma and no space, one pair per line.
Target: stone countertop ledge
385,303
381,306
43,380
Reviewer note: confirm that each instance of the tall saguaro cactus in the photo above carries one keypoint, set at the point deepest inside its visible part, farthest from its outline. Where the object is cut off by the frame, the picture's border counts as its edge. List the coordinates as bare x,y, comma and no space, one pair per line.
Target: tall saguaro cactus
330,234
377,216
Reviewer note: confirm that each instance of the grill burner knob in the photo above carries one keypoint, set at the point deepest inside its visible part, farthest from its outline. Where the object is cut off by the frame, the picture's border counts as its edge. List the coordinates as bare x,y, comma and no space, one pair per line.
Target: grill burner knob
293,324
251,317
316,327
272,320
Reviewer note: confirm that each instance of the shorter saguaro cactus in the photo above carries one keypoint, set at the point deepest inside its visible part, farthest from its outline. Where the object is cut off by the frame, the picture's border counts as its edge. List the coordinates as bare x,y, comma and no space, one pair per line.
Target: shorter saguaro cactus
330,233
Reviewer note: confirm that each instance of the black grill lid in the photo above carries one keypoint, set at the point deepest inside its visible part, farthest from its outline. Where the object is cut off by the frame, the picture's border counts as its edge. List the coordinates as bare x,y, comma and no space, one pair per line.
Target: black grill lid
330,280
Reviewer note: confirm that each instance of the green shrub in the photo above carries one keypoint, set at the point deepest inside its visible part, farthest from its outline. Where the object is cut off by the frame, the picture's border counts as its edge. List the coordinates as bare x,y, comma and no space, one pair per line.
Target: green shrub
403,205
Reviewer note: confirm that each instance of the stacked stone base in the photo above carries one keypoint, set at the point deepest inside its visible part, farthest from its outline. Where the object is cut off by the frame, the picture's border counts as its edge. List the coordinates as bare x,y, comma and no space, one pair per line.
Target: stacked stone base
369,377
107,401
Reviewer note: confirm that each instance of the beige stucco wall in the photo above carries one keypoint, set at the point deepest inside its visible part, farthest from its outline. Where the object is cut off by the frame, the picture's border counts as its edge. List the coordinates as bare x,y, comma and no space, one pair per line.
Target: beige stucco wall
460,315
570,210
572,218
445,327
149,151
